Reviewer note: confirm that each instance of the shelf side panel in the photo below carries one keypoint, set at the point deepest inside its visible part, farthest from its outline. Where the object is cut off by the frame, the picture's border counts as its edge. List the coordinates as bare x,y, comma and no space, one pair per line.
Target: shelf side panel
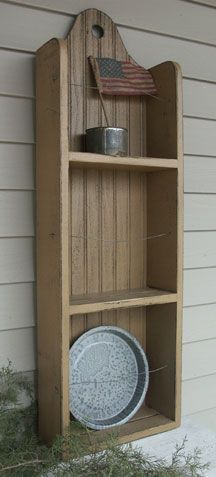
162,113
52,239
162,227
161,353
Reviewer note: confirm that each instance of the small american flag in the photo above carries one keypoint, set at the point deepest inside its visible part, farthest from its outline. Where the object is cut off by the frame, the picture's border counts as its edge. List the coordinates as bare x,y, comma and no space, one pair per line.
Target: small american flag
122,77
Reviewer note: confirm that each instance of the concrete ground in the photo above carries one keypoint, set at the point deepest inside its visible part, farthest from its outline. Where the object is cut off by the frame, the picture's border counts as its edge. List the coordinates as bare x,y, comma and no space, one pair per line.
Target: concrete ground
163,445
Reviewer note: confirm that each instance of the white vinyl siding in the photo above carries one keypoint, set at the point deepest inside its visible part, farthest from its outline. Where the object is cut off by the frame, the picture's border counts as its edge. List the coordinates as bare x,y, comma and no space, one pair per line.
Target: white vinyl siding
153,31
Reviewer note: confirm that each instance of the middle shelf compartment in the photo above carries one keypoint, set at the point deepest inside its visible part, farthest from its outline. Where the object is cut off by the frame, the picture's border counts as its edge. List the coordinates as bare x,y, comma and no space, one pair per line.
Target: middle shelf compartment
122,238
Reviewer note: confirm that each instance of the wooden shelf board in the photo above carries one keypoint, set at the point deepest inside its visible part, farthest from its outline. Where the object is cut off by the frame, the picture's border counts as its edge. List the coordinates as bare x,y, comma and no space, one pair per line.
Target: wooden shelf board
119,299
146,422
145,164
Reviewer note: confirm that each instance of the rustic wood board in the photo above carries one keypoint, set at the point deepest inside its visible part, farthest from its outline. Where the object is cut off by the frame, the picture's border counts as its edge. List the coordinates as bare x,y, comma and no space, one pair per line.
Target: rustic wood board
52,239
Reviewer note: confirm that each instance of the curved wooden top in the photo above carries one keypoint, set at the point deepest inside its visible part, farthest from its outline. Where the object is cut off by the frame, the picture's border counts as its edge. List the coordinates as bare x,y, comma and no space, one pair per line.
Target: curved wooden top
154,125
85,108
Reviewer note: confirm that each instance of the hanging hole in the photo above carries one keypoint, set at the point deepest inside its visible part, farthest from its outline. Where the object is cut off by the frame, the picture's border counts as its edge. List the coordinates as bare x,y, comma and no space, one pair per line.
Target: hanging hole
97,31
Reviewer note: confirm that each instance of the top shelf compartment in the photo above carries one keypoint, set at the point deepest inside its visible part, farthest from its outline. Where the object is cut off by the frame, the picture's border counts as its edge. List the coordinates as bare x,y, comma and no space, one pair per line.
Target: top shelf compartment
145,164
153,123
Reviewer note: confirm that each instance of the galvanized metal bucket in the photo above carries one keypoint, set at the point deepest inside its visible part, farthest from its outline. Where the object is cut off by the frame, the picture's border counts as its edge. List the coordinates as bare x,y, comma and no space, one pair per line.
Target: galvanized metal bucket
107,140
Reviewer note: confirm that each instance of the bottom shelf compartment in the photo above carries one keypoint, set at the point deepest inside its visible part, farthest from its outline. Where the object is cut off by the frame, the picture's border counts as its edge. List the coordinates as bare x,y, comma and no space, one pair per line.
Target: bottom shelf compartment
158,331
146,422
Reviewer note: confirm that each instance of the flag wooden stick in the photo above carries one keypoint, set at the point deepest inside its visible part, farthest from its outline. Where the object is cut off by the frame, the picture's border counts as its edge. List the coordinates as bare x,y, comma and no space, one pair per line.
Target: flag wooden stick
104,108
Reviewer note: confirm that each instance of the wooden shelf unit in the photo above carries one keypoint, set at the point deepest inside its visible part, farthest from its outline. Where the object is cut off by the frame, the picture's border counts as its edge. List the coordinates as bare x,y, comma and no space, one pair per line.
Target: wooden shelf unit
109,229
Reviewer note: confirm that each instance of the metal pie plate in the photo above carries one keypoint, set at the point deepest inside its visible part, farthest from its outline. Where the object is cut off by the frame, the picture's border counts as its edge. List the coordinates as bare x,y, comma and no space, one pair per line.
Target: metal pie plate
109,377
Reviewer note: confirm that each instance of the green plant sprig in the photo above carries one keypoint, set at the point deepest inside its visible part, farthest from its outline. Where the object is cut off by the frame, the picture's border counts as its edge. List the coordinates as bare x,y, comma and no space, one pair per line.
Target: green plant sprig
23,455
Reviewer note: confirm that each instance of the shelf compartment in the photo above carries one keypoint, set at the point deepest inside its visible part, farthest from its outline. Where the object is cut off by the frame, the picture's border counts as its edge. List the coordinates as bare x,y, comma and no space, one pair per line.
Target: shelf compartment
119,299
145,164
146,421
148,324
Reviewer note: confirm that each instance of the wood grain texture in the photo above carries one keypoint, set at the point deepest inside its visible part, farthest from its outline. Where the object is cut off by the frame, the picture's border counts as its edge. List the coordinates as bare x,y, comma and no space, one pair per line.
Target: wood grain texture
120,299
144,164
162,222
77,244
107,233
52,238
108,210
180,242
150,423
162,113
93,230
161,322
